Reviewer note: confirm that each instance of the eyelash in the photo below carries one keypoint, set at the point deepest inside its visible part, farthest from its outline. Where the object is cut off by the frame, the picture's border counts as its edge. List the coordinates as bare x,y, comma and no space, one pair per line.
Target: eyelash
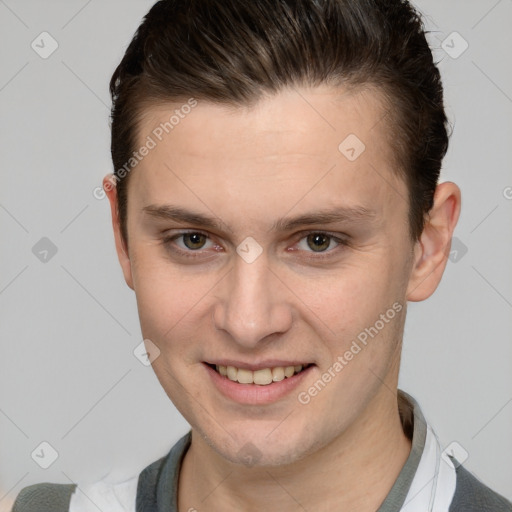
166,241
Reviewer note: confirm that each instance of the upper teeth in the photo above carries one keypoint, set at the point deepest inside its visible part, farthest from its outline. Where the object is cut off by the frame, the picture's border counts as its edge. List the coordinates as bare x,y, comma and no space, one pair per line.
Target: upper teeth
262,377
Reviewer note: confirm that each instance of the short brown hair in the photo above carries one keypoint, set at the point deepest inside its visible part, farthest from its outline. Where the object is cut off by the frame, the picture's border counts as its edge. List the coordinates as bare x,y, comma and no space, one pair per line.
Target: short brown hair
234,51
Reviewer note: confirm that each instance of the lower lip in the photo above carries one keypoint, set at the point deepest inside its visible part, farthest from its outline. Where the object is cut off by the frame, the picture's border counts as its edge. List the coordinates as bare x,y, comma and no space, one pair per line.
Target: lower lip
254,394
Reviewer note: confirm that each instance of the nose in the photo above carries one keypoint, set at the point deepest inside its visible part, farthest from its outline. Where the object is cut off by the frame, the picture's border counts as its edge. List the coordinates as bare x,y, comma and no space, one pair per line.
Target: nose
251,303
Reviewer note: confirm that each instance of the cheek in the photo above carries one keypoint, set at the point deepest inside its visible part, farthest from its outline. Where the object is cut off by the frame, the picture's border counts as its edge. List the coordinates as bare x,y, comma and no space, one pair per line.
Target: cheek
167,299
350,294
175,302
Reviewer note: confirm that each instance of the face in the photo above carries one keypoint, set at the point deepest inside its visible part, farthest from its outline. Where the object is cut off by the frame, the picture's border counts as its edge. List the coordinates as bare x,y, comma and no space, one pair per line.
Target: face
255,243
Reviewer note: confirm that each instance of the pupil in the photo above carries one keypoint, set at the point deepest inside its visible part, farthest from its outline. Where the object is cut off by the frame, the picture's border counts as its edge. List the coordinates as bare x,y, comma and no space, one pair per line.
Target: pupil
319,241
195,240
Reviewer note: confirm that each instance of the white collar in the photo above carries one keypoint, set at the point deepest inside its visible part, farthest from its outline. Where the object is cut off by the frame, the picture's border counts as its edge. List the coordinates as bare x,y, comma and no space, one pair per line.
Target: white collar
433,485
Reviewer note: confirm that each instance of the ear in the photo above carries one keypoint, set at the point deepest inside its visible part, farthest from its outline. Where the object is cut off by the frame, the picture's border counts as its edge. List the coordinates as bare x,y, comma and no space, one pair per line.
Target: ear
109,186
431,251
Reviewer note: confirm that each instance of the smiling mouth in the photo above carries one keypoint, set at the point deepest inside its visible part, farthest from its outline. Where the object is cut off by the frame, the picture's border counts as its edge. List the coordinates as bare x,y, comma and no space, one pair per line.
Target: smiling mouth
262,377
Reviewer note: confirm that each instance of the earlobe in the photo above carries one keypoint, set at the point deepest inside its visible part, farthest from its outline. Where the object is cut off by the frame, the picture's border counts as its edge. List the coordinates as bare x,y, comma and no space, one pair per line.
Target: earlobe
432,250
109,185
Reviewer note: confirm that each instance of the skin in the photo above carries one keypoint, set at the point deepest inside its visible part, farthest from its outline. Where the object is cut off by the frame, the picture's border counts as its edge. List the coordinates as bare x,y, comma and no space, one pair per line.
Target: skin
6,502
250,167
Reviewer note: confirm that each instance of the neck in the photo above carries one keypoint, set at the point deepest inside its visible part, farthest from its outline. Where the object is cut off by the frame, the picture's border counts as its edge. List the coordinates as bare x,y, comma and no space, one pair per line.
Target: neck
354,472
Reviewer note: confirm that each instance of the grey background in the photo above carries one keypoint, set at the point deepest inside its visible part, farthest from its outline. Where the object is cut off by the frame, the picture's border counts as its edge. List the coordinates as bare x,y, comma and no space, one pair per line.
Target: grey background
69,325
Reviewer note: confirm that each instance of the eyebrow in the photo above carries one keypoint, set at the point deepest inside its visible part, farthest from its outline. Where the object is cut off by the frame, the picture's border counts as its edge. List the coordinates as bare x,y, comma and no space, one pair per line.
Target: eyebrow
178,214
355,214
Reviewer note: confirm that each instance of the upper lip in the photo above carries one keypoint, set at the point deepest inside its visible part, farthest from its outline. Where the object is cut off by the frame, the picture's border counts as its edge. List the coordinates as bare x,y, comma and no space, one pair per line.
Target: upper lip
260,365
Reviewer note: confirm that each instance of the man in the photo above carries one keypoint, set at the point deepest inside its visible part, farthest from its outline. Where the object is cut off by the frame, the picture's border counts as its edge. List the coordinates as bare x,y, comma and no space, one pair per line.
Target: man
275,206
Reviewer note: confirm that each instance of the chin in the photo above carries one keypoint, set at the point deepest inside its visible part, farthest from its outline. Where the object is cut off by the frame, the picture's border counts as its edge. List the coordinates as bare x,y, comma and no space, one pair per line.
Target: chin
262,446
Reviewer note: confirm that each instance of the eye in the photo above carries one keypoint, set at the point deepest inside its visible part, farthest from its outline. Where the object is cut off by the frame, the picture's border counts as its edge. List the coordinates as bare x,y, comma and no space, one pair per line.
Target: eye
319,242
189,244
193,241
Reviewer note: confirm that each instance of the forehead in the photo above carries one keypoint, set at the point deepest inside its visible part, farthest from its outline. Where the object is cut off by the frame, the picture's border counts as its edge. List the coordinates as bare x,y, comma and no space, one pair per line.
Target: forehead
273,123
293,149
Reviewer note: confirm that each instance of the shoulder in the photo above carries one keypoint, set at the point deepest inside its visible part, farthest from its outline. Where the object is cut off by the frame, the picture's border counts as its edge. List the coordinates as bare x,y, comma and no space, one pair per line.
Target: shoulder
44,497
109,494
105,494
471,495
